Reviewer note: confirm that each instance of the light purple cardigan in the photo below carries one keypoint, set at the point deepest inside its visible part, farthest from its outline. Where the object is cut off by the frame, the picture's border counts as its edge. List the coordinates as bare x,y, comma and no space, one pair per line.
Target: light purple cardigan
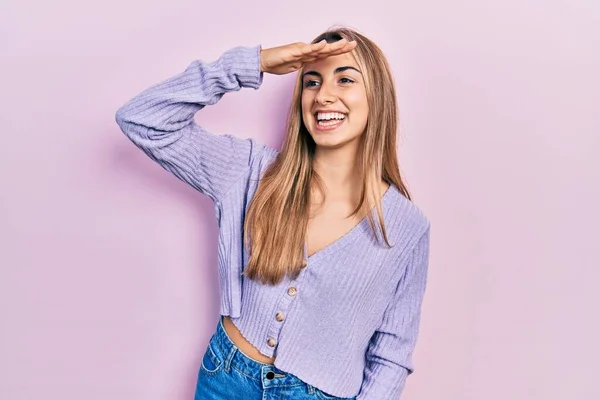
351,326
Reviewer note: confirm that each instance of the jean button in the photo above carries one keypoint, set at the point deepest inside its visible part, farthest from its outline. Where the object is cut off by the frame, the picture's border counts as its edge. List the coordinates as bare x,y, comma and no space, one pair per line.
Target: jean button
270,375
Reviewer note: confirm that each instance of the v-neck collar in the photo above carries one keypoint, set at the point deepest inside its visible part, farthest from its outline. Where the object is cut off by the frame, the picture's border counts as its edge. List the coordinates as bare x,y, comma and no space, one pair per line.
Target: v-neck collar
361,226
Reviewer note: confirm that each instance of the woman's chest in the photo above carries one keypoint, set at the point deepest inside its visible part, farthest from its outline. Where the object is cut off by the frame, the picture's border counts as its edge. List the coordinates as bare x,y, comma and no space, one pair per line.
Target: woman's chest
324,230
328,223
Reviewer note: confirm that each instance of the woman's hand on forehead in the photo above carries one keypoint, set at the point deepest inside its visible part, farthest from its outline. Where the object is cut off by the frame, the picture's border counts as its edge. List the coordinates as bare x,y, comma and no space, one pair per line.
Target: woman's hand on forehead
290,57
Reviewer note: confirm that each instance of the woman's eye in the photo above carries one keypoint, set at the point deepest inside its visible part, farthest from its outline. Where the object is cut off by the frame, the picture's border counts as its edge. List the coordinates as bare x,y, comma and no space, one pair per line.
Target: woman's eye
311,83
346,80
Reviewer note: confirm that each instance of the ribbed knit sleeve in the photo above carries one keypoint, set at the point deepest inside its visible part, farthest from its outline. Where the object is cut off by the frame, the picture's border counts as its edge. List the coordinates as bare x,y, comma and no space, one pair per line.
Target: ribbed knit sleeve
160,121
389,355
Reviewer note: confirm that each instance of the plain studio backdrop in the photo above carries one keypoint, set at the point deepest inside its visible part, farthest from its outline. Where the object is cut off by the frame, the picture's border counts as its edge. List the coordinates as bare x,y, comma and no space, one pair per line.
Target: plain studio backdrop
108,280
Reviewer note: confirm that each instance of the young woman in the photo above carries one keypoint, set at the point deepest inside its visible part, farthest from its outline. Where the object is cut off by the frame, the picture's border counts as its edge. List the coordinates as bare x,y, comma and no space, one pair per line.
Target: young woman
323,257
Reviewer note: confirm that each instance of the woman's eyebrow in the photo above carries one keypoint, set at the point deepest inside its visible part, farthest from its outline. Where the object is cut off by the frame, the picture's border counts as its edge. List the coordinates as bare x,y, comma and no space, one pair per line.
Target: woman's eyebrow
337,71
342,69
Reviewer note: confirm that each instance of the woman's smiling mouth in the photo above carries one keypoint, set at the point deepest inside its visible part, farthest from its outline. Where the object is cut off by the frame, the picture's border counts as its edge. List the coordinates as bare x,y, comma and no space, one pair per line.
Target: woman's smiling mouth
327,121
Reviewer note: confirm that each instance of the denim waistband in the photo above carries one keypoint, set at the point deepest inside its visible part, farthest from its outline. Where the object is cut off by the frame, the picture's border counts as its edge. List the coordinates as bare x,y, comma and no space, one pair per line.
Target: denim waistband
232,356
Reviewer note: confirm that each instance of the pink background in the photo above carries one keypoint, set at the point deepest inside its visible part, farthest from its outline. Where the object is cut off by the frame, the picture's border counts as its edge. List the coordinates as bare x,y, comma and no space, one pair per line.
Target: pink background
108,285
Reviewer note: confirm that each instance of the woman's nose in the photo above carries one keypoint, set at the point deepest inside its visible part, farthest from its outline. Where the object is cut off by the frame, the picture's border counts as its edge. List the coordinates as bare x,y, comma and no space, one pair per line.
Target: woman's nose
325,96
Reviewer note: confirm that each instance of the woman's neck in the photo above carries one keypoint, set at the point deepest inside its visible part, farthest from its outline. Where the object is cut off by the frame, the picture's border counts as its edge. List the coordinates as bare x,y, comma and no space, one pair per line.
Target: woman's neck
339,171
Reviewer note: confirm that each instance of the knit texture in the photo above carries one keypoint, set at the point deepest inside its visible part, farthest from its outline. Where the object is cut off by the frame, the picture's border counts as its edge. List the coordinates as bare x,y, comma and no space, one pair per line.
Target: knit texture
351,327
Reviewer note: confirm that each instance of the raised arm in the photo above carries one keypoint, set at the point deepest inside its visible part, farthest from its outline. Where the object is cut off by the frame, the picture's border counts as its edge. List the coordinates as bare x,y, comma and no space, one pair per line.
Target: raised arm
160,121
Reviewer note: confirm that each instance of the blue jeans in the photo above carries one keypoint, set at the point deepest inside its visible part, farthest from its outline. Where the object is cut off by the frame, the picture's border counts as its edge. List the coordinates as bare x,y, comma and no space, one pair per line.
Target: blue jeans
227,373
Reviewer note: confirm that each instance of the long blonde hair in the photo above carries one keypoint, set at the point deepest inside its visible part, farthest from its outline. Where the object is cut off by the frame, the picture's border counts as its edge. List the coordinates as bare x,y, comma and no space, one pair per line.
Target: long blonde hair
278,214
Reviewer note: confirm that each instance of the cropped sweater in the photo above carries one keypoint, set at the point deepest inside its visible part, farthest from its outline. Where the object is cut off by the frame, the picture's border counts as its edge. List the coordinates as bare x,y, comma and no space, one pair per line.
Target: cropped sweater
351,318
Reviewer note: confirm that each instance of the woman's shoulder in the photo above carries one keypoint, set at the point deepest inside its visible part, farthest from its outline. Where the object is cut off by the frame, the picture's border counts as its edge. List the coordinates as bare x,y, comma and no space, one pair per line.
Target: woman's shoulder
262,151
263,158
407,219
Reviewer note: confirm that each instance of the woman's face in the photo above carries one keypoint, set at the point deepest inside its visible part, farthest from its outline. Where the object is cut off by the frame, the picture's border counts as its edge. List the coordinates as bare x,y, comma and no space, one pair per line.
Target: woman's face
334,101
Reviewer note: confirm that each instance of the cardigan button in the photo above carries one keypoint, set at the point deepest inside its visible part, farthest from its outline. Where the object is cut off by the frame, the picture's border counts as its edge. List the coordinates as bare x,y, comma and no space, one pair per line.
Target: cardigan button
271,342
292,291
279,316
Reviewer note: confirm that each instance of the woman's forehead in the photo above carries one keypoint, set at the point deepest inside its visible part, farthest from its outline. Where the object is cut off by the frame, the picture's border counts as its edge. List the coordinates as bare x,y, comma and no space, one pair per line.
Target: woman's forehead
331,63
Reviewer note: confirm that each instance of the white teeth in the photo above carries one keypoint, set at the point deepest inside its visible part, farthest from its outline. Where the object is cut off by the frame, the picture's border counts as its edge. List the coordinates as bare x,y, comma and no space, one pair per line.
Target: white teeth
327,116
330,123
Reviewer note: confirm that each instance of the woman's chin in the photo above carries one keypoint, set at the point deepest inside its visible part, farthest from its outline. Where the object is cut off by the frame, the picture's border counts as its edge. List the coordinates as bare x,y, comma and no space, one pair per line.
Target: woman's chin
333,139
333,142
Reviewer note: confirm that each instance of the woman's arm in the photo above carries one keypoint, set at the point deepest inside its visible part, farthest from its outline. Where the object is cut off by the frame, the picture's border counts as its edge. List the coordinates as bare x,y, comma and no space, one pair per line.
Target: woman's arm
389,356
160,121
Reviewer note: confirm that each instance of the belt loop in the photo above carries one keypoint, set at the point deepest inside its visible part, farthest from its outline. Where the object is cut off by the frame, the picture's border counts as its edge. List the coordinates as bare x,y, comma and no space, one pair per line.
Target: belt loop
310,389
227,362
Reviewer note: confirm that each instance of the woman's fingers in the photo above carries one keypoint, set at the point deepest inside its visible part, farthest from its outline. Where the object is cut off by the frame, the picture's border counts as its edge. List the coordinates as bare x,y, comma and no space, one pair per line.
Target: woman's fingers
339,47
347,48
329,49
309,60
323,47
308,52
311,48
319,45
